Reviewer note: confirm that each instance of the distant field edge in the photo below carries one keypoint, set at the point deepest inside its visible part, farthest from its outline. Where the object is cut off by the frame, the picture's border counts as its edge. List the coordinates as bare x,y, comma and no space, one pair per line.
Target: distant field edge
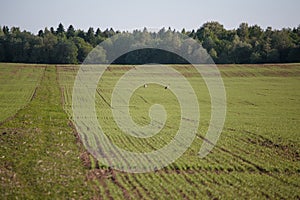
219,65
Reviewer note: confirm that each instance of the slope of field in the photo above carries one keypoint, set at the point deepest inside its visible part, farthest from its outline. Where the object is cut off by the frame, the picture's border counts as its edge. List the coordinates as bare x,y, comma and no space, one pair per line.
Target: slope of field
257,155
17,87
39,153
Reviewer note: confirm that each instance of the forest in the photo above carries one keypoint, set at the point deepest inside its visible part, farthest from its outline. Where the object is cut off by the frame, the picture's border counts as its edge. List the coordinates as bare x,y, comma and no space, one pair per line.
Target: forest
246,44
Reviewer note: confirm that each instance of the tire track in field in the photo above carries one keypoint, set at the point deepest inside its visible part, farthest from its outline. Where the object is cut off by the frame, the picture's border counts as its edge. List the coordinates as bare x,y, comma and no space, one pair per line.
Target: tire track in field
139,184
258,167
62,89
112,172
114,179
145,100
51,168
102,97
93,174
100,176
137,191
190,181
284,151
266,142
32,96
126,194
119,184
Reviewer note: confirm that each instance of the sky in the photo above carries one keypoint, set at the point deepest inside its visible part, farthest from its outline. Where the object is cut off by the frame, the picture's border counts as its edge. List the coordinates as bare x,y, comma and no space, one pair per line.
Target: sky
34,15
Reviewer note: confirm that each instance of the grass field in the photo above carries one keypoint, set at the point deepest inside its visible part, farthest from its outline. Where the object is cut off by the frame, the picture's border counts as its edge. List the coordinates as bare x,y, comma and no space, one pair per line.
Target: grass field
256,157
17,87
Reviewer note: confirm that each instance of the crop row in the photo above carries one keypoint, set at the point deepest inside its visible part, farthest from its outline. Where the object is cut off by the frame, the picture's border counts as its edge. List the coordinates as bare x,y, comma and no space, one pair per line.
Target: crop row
17,87
255,152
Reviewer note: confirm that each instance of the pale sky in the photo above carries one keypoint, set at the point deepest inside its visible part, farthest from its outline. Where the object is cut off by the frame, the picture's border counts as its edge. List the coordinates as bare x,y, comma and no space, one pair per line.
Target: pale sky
34,15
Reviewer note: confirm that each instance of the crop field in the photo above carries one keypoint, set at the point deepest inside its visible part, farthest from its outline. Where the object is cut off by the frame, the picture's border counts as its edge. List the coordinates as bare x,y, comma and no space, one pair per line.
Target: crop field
17,87
256,157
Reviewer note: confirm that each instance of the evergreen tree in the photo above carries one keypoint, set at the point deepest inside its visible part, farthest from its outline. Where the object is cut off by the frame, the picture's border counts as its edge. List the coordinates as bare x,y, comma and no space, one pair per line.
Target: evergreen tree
60,29
90,37
247,44
70,32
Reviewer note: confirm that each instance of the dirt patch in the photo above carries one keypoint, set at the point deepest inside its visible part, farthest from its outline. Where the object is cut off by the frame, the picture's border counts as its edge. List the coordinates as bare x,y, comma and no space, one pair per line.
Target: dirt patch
237,73
107,174
283,66
190,74
248,103
67,68
85,158
97,173
100,174
120,68
288,151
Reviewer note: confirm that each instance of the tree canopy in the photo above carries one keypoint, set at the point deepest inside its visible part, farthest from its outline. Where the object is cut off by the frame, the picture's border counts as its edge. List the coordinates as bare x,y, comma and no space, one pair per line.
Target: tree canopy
246,44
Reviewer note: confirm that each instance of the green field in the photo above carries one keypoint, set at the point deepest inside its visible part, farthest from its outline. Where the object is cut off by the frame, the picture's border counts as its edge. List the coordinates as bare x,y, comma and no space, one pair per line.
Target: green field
17,87
256,157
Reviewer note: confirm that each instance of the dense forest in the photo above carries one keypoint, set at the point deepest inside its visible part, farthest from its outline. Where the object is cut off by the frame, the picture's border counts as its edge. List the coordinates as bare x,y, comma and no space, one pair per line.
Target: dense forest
246,44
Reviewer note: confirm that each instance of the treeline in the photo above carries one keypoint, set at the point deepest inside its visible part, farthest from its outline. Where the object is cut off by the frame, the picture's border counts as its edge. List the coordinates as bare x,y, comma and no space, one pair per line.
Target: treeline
246,44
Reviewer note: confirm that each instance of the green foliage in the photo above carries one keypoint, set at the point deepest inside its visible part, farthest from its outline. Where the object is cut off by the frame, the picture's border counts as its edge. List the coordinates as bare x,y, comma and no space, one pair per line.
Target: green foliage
83,47
60,29
294,55
66,52
90,37
70,32
98,55
246,44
